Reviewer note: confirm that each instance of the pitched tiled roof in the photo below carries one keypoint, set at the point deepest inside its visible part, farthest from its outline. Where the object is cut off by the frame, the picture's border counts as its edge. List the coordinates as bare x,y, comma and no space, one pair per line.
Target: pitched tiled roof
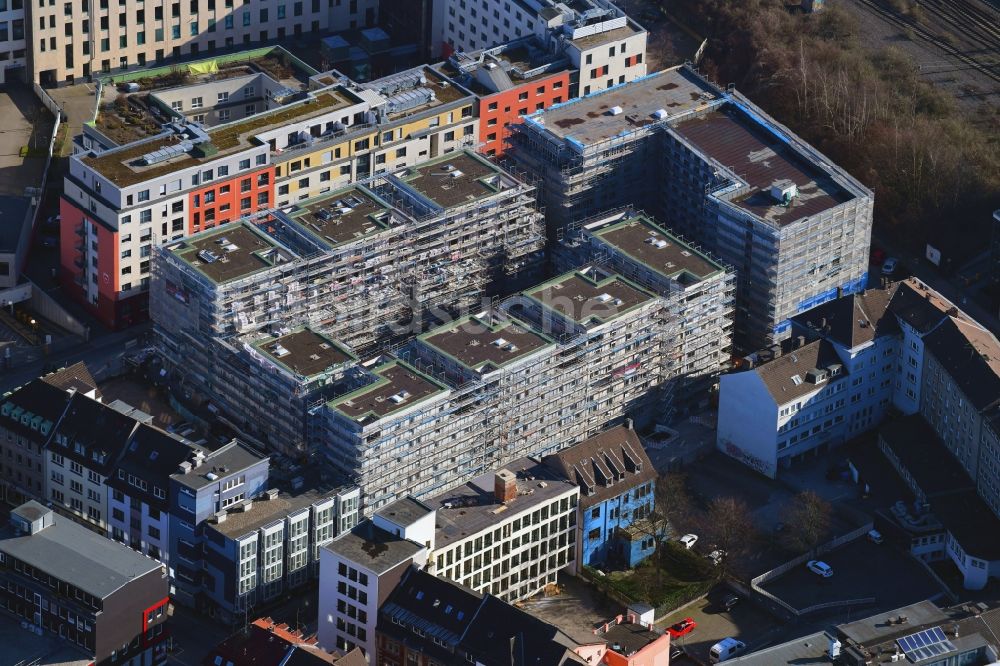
605,465
502,635
95,434
971,355
76,376
786,377
854,319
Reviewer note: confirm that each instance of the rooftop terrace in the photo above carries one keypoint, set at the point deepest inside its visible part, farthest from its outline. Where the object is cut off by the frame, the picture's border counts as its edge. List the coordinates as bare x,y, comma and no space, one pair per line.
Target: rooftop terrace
229,252
589,120
584,297
606,37
478,345
758,156
644,241
398,386
457,179
473,507
304,352
124,167
342,216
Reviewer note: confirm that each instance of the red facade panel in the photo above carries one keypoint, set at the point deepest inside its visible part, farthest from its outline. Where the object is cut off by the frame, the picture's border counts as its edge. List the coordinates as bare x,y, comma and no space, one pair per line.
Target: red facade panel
499,111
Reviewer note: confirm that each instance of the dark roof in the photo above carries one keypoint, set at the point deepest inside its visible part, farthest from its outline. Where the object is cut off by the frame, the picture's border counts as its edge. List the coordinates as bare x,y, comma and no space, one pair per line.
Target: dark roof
398,386
438,607
755,153
76,376
152,455
916,305
473,507
455,180
38,398
74,554
265,643
971,356
521,638
595,464
950,491
627,638
854,319
95,434
589,297
785,376
304,352
374,548
480,345
404,511
234,457
253,514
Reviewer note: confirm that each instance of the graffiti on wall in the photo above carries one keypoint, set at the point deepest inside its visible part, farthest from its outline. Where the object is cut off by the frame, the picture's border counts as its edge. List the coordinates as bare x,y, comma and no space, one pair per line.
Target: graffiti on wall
750,460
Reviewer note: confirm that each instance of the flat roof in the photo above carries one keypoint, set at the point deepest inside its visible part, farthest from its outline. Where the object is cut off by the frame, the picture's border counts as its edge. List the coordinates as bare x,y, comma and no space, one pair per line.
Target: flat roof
648,243
473,507
234,457
123,168
228,252
405,511
456,179
305,352
599,38
757,155
263,511
72,553
398,386
588,120
630,637
342,216
477,344
373,547
584,298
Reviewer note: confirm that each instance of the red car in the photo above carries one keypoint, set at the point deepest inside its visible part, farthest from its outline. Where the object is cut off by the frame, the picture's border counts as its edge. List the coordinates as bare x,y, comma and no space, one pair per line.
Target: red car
682,628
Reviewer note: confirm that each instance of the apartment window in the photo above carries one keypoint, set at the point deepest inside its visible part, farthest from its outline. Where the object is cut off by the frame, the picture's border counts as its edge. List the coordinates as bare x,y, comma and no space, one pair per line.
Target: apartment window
223,97
196,103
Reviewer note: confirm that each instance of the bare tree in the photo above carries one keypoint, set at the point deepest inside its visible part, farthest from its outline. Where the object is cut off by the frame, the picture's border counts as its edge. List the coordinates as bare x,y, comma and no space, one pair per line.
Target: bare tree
672,505
807,521
728,524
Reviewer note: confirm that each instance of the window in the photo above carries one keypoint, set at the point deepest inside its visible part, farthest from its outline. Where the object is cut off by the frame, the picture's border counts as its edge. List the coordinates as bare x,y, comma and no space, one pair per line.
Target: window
196,103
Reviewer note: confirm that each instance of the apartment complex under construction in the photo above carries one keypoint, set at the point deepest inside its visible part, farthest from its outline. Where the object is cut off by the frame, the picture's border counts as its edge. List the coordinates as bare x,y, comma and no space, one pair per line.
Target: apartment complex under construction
794,226
698,290
548,368
370,264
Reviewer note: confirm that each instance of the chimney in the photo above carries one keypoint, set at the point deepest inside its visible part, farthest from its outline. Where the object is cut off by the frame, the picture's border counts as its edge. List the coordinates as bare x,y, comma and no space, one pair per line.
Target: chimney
629,425
505,486
840,292
800,341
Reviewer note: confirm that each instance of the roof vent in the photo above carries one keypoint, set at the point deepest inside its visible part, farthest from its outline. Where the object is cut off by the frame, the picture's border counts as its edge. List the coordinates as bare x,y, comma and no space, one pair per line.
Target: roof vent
783,191
660,114
615,111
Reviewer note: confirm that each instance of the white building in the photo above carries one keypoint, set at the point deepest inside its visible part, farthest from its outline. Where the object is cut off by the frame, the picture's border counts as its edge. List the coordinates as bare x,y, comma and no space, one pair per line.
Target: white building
359,569
12,39
507,533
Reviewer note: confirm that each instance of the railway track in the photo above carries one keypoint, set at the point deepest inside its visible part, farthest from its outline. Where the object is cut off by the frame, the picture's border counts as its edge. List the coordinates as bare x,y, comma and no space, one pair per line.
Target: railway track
978,25
987,69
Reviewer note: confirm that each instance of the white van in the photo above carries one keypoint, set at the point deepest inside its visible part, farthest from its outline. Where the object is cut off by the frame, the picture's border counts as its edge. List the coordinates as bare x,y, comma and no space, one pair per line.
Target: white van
726,649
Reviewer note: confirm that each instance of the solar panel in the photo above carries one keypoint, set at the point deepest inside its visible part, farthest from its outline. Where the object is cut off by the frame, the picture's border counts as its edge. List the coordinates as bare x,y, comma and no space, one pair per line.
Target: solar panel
925,644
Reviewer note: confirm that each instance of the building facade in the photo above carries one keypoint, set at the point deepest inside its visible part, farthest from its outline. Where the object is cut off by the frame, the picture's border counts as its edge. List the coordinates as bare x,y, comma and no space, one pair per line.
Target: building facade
27,418
88,590
69,43
616,480
795,228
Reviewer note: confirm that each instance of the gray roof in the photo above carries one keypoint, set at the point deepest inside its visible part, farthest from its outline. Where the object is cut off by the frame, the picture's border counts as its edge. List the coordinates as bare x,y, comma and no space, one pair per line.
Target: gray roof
809,649
404,512
262,511
374,548
234,456
78,556
13,210
785,376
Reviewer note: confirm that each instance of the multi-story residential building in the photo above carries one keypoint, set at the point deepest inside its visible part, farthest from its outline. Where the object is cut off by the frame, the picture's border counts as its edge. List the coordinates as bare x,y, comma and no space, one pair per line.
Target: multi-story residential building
28,417
13,44
698,290
359,569
616,480
262,548
73,42
138,491
88,590
510,81
431,620
794,227
119,203
86,444
948,519
605,46
515,553
492,388
200,487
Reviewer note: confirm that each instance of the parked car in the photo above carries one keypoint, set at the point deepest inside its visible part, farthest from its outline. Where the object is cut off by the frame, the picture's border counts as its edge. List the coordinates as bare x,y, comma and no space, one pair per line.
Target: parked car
878,256
820,568
726,649
875,536
716,556
689,540
729,602
682,628
889,267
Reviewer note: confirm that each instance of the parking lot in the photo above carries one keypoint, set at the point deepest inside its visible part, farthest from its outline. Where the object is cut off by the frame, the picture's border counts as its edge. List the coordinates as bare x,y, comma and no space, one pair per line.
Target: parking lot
576,610
746,621
26,123
860,569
